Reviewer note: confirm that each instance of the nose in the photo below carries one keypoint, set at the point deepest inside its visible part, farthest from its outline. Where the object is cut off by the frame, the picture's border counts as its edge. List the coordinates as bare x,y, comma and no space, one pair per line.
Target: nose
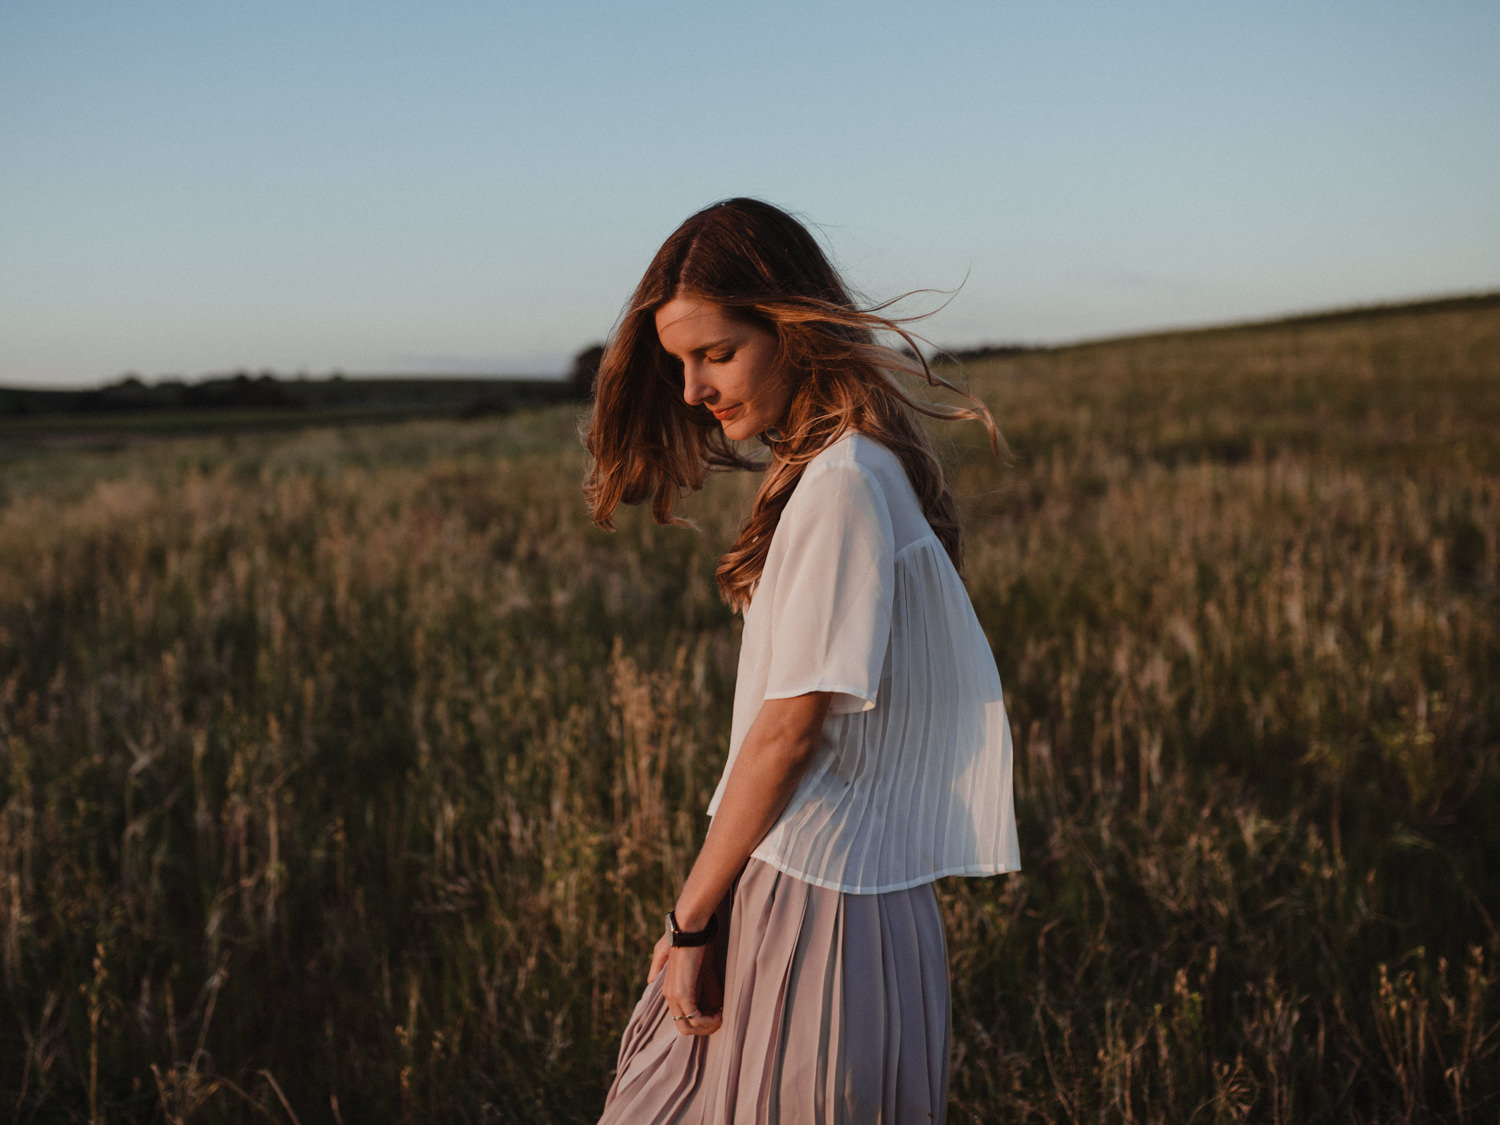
695,388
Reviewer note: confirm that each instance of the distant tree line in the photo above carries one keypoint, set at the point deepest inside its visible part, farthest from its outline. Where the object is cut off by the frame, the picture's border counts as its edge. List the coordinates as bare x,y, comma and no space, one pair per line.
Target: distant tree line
463,395
131,393
981,351
586,370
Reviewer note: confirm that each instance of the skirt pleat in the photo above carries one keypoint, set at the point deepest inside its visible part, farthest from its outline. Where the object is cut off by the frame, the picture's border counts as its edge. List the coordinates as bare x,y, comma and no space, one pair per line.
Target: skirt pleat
835,1011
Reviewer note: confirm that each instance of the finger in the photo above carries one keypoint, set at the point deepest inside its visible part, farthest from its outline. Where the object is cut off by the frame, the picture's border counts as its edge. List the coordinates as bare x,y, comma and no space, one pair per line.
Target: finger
704,1023
658,961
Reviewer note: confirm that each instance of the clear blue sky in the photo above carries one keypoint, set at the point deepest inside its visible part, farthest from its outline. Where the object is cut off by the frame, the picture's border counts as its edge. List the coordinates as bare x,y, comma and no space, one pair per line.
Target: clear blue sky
189,188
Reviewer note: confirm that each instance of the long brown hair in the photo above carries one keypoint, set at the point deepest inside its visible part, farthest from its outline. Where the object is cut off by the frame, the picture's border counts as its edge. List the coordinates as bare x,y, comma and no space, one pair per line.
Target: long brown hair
757,261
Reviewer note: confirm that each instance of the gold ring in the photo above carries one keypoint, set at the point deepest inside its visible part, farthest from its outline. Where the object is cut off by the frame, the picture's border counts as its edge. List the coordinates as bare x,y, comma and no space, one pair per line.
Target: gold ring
687,1016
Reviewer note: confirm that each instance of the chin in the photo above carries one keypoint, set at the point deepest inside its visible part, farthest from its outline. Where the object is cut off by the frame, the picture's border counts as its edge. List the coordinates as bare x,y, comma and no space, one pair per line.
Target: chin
738,430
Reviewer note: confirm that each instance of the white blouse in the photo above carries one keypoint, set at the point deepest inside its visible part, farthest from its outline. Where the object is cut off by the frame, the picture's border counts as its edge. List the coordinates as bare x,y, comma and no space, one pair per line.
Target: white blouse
858,597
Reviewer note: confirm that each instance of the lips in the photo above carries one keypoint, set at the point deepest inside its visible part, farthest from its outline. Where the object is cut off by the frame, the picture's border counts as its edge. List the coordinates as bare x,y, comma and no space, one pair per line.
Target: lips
725,413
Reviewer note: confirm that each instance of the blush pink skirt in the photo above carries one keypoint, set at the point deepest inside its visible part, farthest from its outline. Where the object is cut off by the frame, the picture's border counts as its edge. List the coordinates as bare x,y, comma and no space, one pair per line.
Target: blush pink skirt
835,1010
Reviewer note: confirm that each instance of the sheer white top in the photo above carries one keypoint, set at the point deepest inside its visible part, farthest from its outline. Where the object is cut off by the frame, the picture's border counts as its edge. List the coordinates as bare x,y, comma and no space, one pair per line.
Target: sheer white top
913,778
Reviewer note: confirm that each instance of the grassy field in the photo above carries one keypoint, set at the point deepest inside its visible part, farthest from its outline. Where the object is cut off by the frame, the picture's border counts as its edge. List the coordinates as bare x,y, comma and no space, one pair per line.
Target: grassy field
345,774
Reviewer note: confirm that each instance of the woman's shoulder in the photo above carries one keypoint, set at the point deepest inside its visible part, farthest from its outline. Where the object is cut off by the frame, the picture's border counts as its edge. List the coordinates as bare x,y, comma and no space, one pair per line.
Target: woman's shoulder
855,451
853,472
855,465
850,465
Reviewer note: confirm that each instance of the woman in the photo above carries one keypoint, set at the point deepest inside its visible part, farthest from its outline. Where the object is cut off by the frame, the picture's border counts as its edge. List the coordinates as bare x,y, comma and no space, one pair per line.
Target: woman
802,975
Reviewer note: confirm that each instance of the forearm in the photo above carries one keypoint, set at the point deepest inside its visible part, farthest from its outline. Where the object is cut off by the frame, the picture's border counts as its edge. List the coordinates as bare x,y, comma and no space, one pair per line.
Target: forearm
771,762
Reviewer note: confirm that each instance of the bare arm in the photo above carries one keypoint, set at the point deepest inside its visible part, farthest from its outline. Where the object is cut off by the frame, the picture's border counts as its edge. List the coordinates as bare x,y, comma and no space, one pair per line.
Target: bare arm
770,763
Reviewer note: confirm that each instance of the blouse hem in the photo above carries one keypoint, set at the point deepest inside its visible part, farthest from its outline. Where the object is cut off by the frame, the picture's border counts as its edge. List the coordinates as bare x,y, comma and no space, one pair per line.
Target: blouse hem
862,696
970,871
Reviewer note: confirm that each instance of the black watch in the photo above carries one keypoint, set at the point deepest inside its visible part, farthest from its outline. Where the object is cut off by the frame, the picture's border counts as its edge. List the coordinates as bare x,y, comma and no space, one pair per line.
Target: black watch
681,937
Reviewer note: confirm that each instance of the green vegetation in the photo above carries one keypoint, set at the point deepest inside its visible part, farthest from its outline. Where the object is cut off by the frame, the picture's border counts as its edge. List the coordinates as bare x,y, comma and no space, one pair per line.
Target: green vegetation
345,773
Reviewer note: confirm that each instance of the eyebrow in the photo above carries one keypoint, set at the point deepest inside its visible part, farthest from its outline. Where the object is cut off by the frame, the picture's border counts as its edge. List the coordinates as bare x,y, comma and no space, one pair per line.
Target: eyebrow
719,342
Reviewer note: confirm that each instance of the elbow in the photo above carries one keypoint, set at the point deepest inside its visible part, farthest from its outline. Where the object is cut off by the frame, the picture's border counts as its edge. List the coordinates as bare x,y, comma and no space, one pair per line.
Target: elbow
798,738
797,751
785,737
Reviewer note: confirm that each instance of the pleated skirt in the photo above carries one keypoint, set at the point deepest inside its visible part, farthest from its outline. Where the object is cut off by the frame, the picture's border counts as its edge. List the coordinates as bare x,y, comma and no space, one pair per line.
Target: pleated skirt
835,1011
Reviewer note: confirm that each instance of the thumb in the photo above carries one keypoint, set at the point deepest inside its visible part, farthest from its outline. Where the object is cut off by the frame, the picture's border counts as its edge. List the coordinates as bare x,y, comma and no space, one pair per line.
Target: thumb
658,962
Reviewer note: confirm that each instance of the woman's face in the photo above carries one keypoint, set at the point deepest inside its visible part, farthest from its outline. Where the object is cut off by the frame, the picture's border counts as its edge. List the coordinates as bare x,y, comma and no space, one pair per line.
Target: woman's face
728,365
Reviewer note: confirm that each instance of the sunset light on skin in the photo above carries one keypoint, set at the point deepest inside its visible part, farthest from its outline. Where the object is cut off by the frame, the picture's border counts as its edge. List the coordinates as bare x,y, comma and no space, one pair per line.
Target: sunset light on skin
467,189
728,365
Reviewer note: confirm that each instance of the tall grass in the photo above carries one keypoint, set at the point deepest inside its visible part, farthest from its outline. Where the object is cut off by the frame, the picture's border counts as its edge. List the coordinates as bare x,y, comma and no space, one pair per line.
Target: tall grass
345,775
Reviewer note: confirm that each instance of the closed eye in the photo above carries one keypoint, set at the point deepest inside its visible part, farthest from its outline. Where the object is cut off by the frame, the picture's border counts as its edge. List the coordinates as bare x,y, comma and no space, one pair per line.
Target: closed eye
721,357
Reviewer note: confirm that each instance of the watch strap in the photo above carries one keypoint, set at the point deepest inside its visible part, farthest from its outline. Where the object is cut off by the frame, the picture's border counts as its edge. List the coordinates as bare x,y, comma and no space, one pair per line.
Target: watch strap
681,937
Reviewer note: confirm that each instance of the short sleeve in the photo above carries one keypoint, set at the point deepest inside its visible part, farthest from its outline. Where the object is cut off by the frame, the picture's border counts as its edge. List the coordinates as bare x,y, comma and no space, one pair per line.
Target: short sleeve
832,579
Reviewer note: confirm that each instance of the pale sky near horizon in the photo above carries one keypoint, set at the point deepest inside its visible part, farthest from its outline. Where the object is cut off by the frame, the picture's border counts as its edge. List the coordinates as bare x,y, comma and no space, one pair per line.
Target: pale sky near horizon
466,187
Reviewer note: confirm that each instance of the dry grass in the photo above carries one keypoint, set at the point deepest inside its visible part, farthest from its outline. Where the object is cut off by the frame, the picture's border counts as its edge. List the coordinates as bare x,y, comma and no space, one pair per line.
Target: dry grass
344,775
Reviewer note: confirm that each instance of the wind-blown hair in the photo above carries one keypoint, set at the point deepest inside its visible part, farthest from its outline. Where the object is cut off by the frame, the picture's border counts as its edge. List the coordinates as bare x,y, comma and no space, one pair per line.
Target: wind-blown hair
759,263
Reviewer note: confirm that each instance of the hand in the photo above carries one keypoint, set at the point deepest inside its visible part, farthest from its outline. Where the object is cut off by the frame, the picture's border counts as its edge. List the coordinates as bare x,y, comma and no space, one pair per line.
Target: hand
659,957
691,987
